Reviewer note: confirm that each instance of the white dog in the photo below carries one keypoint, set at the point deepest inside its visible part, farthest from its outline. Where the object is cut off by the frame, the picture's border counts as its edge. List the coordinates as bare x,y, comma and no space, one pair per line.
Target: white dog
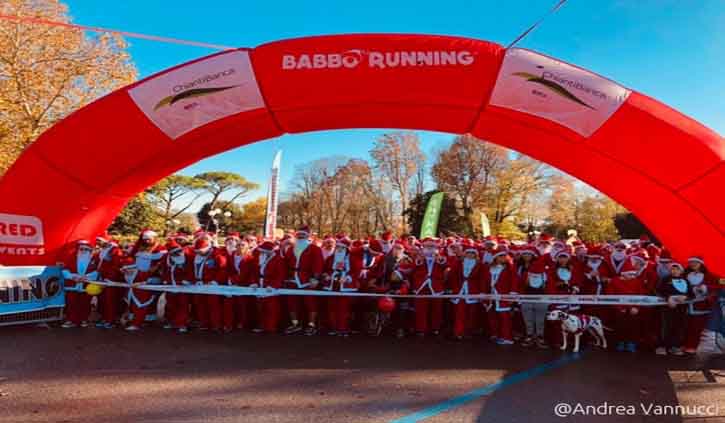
578,325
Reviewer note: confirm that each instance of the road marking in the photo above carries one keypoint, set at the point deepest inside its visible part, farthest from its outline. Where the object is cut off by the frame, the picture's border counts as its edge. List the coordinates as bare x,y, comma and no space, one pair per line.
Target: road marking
486,390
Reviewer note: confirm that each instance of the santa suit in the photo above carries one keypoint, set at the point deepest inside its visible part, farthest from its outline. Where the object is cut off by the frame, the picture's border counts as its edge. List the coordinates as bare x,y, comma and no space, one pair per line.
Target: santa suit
698,311
627,319
340,276
240,266
593,282
499,279
266,272
140,301
303,267
615,264
464,279
109,263
563,280
209,269
429,279
368,267
78,303
227,303
177,304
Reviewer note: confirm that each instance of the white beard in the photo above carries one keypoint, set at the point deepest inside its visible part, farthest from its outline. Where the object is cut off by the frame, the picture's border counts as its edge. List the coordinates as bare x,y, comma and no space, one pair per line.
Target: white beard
619,255
300,246
178,260
594,264
387,246
695,278
468,265
327,252
82,262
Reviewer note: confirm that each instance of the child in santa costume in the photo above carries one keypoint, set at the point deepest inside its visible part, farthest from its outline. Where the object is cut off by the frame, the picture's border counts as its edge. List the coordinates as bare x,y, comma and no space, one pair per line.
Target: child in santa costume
267,272
429,279
499,278
209,268
465,279
627,319
109,264
177,272
675,289
304,264
79,267
339,275
702,291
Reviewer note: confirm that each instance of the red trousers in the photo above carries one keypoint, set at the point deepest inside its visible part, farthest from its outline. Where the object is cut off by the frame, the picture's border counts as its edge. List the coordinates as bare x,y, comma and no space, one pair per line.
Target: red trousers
245,309
268,313
209,310
177,309
338,311
499,323
296,303
109,301
140,313
428,314
77,306
228,312
463,317
695,325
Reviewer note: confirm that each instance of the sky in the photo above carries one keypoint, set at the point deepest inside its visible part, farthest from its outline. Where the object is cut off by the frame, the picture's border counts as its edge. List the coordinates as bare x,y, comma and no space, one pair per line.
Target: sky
671,50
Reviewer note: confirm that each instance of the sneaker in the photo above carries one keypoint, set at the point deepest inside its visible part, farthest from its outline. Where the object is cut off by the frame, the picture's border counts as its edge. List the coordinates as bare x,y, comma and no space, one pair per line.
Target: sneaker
133,328
493,338
619,347
400,333
168,325
310,330
677,351
84,324
661,351
458,338
689,351
100,324
257,330
227,330
344,334
420,334
436,333
108,325
527,342
631,347
68,325
182,329
292,329
501,341
203,328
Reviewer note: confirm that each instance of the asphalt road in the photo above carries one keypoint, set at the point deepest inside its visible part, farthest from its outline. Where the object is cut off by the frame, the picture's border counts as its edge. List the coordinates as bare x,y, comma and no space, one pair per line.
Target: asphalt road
91,375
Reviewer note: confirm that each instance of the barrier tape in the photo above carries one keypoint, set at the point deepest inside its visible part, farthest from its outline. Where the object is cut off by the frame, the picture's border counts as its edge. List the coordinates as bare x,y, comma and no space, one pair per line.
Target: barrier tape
235,291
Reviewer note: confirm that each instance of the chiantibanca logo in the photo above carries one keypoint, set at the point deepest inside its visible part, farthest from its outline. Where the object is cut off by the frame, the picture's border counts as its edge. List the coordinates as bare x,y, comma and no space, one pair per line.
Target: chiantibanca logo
187,90
555,83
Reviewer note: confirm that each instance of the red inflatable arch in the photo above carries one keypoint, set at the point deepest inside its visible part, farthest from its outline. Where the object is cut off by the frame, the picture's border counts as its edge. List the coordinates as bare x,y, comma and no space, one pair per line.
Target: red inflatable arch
661,165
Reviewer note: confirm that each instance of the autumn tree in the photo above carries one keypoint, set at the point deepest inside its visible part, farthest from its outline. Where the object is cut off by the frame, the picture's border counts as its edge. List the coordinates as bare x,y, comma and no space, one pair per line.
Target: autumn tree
398,157
251,219
138,214
167,193
47,72
219,183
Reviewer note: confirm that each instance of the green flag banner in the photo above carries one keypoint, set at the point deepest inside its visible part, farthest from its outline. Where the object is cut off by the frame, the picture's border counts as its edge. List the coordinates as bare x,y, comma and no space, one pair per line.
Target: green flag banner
432,213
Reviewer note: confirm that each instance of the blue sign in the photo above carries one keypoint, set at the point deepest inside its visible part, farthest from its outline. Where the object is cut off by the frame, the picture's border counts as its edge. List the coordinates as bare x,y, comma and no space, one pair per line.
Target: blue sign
30,294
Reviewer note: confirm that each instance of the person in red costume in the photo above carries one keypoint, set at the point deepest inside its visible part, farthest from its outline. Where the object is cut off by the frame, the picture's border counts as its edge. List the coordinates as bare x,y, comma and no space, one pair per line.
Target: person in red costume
339,275
328,246
627,319
304,264
109,269
266,273
563,278
429,279
596,275
209,268
702,291
241,265
177,272
465,279
79,267
499,278
140,301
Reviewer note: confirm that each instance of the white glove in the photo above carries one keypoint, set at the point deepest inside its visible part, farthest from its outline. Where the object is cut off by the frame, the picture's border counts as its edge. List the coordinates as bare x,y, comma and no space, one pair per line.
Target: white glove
254,285
213,283
199,283
185,283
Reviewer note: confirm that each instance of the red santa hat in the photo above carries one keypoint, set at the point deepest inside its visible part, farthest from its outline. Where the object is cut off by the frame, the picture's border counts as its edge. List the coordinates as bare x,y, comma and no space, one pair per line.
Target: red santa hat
303,230
565,251
104,237
528,249
537,267
678,265
173,247
233,235
376,246
620,245
546,238
148,234
386,236
202,245
499,252
429,242
489,240
399,244
595,252
266,247
696,259
665,255
345,243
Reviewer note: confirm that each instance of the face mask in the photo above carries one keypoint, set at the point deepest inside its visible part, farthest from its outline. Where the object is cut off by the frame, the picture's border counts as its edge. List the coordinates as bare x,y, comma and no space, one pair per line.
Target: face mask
619,255
594,264
469,262
428,252
302,243
231,246
386,246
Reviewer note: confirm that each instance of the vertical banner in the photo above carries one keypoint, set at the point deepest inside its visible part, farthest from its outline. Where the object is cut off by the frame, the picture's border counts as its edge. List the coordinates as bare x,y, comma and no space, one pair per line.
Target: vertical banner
270,220
432,213
485,226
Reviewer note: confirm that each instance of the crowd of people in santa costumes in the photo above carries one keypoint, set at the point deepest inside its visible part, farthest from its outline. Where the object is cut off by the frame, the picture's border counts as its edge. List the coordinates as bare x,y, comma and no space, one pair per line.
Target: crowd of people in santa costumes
421,269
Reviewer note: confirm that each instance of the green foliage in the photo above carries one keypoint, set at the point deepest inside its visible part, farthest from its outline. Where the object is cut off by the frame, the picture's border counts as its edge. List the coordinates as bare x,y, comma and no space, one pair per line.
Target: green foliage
450,221
138,214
